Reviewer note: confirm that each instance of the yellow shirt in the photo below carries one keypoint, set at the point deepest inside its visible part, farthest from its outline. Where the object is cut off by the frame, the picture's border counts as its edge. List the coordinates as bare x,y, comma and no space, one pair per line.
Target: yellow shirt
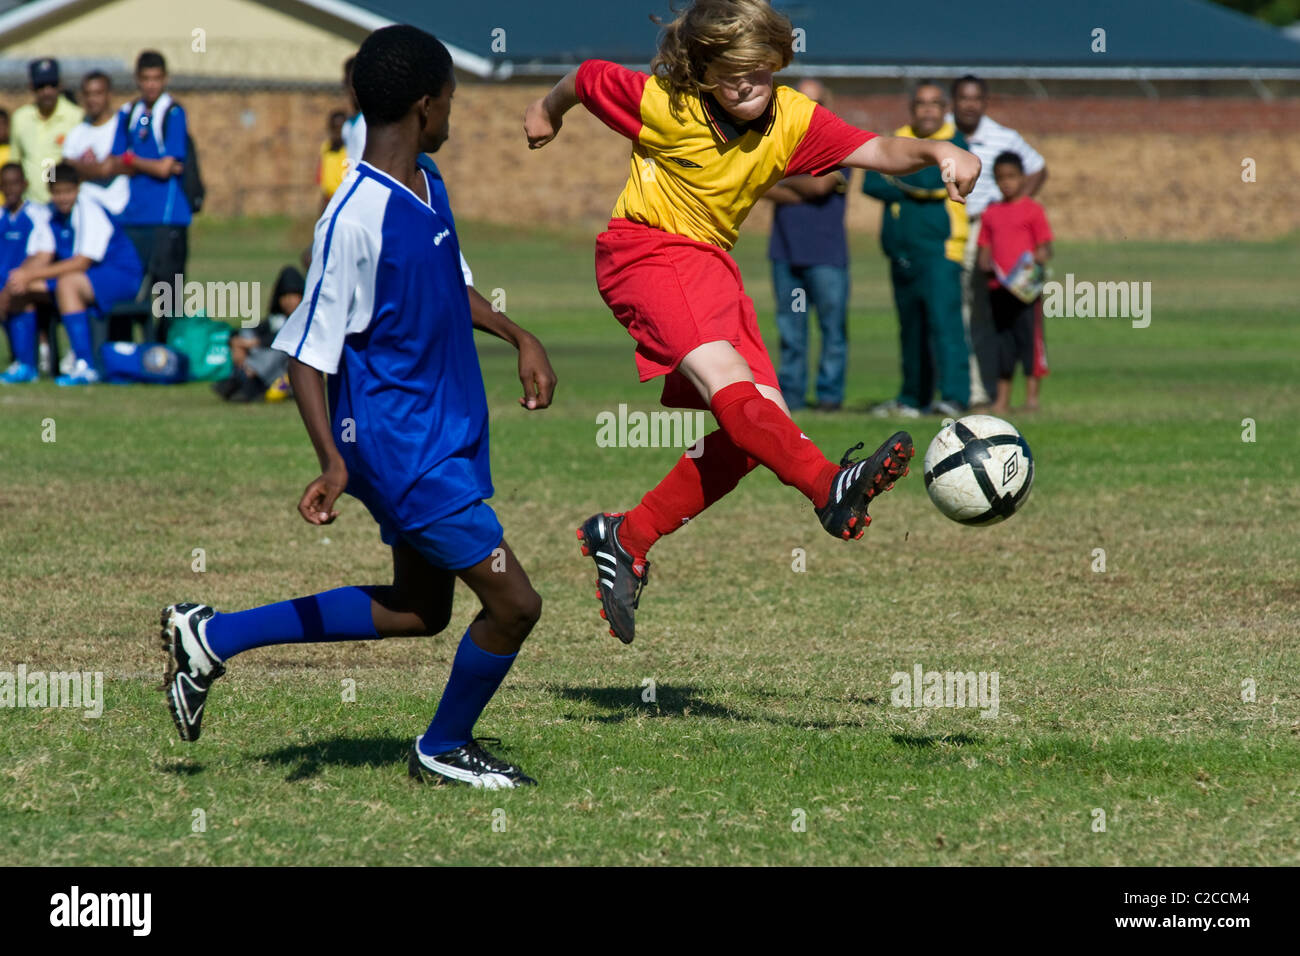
37,142
4,154
329,174
699,173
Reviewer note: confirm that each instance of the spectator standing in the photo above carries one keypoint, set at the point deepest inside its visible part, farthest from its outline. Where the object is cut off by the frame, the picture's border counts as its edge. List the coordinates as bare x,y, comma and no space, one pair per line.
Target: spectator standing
39,128
89,146
923,233
810,269
4,136
151,148
1015,244
331,168
354,126
987,139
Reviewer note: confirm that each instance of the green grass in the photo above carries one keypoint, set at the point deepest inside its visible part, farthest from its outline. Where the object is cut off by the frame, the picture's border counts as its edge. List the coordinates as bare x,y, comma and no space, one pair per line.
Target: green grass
1119,691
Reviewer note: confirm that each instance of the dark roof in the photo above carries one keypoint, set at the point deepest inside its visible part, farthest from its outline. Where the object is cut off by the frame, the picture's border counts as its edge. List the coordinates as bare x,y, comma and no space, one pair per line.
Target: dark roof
1142,33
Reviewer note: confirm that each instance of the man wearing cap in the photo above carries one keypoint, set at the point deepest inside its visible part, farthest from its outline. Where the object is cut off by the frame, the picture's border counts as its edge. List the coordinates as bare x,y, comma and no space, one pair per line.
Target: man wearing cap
39,128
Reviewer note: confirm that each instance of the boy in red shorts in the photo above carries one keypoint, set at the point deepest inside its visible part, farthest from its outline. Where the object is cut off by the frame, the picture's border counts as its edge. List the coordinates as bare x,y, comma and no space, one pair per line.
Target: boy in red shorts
710,135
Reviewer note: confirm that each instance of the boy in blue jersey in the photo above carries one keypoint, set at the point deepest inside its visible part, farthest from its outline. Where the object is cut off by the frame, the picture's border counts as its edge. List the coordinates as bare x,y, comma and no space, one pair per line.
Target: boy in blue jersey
387,317
21,225
150,148
86,262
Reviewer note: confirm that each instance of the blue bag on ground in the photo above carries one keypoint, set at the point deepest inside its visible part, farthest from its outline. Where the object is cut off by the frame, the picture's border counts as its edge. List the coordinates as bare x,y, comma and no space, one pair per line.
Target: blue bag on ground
125,362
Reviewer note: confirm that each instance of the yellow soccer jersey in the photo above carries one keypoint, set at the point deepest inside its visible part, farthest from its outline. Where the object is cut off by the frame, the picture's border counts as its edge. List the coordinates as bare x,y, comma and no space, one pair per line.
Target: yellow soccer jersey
699,173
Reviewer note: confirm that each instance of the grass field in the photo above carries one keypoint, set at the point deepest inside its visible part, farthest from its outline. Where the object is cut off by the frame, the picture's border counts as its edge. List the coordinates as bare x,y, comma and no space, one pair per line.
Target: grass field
1120,691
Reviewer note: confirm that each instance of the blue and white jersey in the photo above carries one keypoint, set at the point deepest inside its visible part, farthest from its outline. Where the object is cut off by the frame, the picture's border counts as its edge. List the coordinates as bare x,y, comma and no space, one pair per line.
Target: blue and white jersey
22,234
152,134
386,316
441,203
87,231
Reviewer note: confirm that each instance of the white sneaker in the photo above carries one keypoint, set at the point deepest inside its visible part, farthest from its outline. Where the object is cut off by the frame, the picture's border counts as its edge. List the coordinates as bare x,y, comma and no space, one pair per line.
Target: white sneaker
67,363
83,373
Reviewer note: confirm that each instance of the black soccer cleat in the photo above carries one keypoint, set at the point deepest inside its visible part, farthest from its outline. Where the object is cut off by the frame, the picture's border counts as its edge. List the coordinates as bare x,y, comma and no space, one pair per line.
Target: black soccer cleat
858,481
618,586
191,665
469,764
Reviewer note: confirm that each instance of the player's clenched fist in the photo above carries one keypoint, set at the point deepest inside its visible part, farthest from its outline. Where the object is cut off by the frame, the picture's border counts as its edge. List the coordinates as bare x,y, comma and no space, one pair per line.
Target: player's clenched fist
540,126
960,170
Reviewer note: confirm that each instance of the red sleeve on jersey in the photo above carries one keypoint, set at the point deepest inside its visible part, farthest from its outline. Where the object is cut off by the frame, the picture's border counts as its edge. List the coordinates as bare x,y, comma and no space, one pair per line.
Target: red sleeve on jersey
613,94
826,143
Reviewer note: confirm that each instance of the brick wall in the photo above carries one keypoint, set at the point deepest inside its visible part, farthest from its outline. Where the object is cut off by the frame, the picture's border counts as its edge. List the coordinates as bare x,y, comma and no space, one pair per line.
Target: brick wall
1119,167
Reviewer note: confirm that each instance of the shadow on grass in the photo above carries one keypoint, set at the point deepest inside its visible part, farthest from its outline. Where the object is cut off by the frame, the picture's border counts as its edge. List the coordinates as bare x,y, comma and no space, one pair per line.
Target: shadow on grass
625,703
182,768
307,759
920,741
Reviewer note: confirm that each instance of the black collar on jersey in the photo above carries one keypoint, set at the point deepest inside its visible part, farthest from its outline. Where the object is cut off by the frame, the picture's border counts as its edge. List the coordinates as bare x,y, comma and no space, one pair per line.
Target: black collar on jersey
728,127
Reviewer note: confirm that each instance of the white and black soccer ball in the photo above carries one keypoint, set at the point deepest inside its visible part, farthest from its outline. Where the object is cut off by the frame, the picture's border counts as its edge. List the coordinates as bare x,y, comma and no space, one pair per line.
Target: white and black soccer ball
978,470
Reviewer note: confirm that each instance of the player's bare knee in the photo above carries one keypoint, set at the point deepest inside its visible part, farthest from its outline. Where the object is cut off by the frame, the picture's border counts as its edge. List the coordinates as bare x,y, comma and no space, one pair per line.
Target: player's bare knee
519,613
435,620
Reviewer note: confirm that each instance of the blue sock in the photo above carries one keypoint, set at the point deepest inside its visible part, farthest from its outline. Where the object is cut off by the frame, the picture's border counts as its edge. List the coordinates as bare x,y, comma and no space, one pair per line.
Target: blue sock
339,615
22,337
77,325
475,677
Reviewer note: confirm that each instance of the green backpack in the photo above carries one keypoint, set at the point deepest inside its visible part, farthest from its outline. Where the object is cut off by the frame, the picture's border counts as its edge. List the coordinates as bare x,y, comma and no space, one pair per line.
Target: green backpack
206,343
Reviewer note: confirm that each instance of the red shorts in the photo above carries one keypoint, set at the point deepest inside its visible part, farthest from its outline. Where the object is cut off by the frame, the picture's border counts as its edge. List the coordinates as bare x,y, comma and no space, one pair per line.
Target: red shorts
674,294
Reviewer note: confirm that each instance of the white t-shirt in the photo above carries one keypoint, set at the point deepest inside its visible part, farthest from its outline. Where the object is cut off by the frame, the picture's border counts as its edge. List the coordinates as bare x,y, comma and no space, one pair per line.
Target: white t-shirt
99,140
989,139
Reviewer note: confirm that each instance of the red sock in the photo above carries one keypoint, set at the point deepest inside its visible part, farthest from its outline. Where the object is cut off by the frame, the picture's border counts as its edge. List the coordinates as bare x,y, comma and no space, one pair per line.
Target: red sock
691,486
765,431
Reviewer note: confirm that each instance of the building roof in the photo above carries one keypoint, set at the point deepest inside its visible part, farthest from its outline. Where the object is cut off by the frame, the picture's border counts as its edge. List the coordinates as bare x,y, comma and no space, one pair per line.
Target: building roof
851,33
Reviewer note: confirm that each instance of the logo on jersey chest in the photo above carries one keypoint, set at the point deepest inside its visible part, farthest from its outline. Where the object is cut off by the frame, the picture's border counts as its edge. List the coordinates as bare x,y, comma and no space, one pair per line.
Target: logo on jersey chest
684,163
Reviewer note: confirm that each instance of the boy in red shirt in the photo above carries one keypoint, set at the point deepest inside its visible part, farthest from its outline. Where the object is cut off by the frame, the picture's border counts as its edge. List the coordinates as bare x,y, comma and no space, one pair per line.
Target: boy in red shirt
710,134
1015,244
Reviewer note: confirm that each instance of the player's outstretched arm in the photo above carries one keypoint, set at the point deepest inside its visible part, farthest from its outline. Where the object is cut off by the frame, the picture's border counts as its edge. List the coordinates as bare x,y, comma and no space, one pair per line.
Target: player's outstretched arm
543,117
535,370
317,503
898,156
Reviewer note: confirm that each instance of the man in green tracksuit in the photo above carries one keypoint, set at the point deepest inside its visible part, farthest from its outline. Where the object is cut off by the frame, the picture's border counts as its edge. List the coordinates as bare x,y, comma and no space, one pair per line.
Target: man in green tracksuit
924,235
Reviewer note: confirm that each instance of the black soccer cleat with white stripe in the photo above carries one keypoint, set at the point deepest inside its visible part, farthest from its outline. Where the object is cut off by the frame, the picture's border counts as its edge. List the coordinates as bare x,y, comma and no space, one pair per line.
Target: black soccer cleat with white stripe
618,585
859,481
469,764
191,665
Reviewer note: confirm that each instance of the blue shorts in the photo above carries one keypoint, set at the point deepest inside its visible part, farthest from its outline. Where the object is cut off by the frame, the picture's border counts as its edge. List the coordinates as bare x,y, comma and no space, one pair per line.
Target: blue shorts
455,542
112,286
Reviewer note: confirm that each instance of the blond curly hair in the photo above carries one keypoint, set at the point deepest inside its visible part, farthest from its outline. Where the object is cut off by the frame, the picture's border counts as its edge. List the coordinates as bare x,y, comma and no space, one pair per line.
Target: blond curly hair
734,37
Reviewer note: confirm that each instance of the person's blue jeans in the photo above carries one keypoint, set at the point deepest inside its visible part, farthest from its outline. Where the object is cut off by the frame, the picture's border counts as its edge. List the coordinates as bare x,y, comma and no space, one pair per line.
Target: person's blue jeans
798,290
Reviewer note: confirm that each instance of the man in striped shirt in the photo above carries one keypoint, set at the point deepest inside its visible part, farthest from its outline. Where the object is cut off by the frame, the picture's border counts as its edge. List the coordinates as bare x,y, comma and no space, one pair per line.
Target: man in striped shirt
986,138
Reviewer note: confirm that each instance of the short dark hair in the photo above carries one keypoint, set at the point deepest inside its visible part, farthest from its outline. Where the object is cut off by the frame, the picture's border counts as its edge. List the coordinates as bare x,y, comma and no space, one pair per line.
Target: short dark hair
349,63
920,83
66,173
96,75
970,78
16,167
4,113
395,67
1008,158
150,60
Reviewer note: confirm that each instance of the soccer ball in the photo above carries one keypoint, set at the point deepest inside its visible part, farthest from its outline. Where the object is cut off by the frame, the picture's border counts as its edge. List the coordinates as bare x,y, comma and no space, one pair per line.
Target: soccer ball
979,470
